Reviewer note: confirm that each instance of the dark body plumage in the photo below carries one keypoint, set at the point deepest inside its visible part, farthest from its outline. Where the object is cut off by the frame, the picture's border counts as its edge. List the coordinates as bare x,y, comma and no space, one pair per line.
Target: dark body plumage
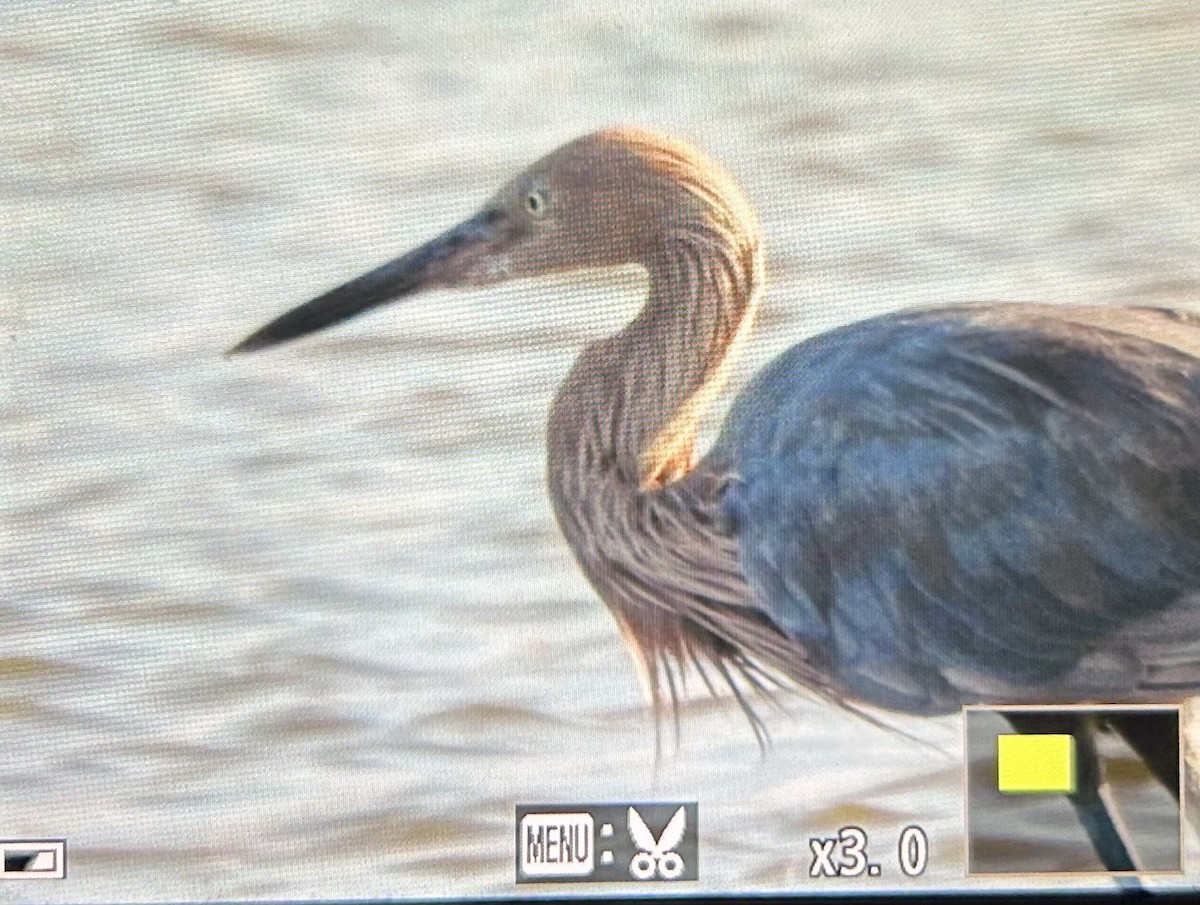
973,504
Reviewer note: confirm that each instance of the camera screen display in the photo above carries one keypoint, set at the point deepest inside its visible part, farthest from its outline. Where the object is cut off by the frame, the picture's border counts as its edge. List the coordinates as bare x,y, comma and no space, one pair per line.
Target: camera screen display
474,450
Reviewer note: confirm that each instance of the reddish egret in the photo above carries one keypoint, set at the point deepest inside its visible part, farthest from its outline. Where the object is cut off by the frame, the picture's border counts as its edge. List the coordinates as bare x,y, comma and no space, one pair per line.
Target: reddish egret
958,505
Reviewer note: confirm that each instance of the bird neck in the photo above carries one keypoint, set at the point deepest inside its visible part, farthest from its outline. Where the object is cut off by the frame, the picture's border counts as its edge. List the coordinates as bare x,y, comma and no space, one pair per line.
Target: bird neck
633,402
621,436
701,303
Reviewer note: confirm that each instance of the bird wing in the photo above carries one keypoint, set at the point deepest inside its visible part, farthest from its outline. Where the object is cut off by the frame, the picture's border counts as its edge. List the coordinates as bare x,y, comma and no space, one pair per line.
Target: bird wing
983,503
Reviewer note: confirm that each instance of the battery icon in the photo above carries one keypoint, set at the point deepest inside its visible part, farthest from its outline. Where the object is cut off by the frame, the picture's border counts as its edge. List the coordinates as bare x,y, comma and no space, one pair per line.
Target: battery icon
33,859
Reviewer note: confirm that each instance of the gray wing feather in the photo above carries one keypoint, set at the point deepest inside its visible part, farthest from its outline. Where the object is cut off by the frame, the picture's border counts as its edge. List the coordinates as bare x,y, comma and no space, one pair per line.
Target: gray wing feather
979,503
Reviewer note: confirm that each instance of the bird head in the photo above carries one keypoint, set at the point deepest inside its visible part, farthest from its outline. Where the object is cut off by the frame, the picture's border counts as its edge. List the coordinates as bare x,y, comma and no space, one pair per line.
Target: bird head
609,198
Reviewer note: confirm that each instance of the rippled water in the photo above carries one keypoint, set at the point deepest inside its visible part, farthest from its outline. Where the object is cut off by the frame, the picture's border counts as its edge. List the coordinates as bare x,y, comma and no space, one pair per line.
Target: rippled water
300,624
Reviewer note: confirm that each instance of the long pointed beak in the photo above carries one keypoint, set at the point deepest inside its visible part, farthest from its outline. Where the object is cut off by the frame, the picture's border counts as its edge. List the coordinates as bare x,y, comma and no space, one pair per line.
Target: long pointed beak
444,261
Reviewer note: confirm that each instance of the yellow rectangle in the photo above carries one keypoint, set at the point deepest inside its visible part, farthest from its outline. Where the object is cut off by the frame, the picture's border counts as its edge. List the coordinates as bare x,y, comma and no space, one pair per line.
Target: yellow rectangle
1035,763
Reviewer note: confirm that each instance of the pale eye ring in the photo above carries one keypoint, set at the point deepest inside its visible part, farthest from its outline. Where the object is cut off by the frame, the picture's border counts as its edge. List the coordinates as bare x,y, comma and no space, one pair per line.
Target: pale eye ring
535,203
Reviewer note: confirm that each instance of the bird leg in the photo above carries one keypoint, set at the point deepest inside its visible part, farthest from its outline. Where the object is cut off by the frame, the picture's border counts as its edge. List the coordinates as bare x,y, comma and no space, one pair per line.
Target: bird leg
1092,798
1154,737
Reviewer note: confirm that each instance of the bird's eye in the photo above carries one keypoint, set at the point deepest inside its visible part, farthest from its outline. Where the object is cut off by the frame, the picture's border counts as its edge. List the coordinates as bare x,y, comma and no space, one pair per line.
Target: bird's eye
535,203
